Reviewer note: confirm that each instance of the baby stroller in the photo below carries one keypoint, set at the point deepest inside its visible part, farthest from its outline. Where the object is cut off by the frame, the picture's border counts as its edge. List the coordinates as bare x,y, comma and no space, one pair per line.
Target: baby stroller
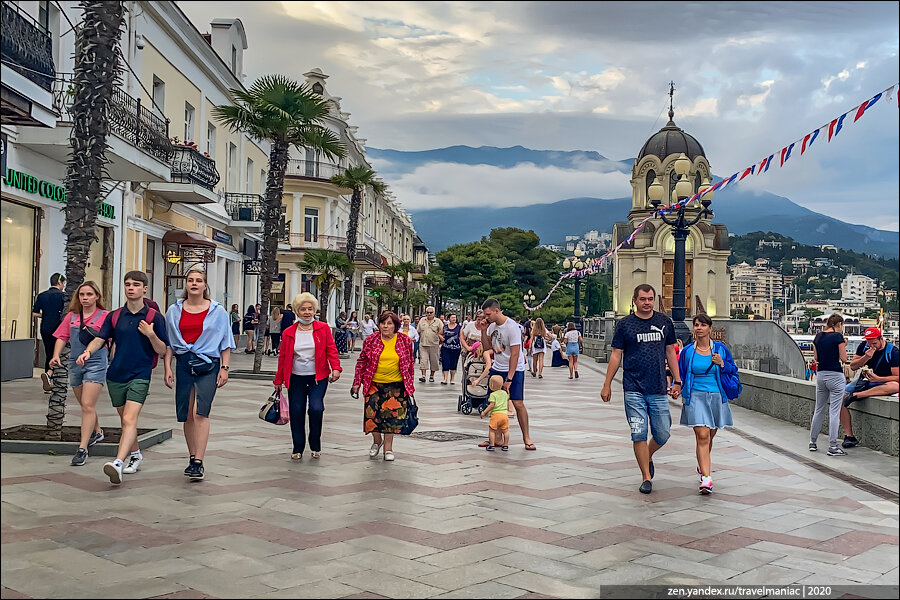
474,397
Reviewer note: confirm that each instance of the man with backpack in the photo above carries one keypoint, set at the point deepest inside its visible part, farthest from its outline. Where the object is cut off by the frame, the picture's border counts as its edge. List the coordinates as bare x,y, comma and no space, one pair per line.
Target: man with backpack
880,378
138,333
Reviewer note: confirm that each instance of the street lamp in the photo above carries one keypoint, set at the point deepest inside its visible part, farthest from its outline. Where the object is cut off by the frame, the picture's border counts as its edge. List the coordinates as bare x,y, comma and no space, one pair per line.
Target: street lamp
680,227
576,264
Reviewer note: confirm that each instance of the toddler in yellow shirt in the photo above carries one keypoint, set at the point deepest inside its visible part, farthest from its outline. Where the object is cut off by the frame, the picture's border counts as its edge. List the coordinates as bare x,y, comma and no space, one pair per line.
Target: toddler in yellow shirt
499,424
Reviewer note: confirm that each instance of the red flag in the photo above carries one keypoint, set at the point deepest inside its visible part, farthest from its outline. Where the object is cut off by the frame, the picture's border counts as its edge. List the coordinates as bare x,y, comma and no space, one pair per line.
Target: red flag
763,164
831,129
748,171
860,111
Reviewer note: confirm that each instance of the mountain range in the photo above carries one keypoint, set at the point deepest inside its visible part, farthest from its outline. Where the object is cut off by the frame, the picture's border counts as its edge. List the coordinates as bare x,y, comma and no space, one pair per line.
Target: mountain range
741,211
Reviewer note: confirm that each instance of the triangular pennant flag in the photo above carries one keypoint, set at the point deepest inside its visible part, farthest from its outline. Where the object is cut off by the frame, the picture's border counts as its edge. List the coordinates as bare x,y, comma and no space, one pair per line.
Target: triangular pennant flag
831,129
768,162
888,93
786,153
865,106
834,127
748,171
764,162
729,180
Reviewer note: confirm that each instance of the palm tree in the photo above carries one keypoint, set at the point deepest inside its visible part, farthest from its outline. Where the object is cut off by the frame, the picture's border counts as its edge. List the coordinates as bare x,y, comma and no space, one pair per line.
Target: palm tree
286,113
403,270
332,268
381,293
356,179
434,279
96,75
416,299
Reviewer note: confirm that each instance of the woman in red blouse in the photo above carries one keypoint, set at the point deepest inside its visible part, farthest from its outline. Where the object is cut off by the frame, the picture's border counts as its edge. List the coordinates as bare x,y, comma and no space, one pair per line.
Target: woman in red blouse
385,373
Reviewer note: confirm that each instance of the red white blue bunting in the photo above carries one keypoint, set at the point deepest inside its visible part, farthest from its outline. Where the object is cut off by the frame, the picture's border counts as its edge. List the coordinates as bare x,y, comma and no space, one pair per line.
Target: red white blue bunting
833,128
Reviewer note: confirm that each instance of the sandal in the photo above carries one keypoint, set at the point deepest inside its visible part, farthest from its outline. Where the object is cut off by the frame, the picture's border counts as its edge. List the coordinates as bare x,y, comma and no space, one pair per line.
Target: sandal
316,454
504,448
540,376
530,447
297,456
489,448
484,444
431,380
421,380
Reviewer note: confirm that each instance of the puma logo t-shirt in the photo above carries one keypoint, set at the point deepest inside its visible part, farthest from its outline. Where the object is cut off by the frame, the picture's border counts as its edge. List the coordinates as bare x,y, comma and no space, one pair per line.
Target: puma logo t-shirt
643,343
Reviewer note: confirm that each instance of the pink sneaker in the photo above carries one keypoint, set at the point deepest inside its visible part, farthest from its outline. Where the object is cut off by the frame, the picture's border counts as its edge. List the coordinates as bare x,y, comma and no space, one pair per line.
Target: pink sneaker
706,485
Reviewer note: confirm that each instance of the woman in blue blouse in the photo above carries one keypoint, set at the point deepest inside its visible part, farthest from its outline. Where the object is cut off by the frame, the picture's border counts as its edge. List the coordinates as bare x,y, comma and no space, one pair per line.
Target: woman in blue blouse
450,348
701,365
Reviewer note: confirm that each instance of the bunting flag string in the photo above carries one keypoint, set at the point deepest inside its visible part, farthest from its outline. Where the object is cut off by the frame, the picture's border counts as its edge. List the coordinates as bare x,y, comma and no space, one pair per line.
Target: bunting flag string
834,128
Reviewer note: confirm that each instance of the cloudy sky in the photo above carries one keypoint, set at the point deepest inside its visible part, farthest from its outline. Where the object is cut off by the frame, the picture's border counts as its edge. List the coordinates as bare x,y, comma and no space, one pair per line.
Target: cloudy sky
751,77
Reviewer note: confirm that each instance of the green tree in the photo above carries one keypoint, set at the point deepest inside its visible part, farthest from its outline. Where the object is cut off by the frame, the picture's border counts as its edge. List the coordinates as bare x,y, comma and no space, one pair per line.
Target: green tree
415,300
401,271
356,179
533,267
96,75
435,281
474,271
285,113
332,268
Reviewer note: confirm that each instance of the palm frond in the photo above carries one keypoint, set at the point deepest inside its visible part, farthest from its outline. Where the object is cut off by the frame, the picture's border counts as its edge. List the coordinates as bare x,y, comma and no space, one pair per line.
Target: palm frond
322,139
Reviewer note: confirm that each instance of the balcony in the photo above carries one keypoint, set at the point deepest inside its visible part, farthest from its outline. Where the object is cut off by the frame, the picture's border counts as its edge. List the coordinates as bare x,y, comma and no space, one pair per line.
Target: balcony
384,281
27,71
307,169
366,256
193,177
245,210
302,241
138,149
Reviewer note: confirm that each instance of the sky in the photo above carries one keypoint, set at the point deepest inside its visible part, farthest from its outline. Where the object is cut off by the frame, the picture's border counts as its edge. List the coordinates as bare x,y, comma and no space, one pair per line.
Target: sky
750,78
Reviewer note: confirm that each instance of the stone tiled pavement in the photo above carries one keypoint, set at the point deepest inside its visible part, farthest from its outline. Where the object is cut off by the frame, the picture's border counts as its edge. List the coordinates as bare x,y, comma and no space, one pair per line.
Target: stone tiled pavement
447,519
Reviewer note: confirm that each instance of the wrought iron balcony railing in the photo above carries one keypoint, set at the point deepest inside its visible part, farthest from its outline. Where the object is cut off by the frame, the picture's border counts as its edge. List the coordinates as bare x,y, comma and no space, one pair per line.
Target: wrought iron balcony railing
128,118
367,254
244,207
26,46
419,269
190,166
325,242
312,170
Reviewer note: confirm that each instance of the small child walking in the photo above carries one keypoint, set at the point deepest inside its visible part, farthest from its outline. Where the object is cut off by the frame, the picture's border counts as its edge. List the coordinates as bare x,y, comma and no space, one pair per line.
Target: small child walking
497,406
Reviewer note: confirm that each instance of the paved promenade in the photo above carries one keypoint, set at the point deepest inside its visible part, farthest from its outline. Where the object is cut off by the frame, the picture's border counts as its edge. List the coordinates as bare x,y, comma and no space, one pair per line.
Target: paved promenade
447,519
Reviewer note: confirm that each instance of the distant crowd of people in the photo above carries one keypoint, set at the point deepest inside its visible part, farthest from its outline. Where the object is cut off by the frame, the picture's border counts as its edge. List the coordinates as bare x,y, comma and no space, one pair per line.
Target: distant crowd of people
195,337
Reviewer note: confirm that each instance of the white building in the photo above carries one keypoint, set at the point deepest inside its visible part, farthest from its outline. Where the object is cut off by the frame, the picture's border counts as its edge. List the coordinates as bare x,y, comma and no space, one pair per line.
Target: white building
860,287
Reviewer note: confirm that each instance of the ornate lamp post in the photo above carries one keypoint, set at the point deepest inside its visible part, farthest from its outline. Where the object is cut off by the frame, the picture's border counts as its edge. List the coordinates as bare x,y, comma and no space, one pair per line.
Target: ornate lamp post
680,227
576,264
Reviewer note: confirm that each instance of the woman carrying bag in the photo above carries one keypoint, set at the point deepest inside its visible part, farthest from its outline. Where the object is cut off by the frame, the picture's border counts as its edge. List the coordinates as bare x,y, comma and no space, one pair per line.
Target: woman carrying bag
307,362
384,371
201,341
704,366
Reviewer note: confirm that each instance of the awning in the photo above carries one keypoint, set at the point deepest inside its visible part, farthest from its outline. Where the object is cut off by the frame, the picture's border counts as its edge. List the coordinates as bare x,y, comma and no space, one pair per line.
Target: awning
187,238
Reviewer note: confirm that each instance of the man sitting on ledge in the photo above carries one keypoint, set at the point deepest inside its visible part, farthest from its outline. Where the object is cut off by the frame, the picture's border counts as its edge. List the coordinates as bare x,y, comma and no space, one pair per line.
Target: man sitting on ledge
880,378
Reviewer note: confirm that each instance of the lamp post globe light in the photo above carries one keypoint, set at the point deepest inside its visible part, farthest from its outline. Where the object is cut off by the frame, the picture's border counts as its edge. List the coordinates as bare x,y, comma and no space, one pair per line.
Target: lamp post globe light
680,227
576,264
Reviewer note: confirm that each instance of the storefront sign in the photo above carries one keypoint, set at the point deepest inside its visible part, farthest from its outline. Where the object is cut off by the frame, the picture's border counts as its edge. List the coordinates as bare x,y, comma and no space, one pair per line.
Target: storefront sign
221,236
253,266
45,189
3,153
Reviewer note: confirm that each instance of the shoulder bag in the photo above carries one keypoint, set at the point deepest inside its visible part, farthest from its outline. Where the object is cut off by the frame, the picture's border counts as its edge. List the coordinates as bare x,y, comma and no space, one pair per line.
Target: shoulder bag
412,416
275,410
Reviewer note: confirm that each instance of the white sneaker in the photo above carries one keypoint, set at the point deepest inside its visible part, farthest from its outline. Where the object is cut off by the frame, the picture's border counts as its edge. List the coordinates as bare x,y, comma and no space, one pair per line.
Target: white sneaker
114,472
373,451
134,464
388,455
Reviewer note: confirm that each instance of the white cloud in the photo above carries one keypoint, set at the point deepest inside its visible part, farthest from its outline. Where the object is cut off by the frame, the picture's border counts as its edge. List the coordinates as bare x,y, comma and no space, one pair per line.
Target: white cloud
441,185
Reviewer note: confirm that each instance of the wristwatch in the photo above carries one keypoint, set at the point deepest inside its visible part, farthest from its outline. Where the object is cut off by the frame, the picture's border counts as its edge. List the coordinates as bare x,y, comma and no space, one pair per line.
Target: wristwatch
225,367
676,383
508,380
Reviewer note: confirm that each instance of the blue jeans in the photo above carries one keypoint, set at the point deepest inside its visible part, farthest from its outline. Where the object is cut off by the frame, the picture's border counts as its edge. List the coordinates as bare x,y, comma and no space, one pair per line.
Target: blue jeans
648,413
305,388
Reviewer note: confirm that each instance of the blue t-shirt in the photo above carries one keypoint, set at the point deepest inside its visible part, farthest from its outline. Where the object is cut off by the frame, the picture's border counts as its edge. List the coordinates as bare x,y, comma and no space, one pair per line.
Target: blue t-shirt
828,350
133,358
879,363
287,319
643,343
703,370
51,304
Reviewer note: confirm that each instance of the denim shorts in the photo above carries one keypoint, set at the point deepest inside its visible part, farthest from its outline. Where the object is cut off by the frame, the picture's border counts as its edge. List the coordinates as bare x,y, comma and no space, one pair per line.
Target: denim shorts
516,387
648,413
93,371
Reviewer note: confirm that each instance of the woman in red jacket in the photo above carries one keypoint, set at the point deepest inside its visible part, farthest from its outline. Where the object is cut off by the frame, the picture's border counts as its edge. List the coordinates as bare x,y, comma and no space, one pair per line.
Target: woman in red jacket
307,361
385,372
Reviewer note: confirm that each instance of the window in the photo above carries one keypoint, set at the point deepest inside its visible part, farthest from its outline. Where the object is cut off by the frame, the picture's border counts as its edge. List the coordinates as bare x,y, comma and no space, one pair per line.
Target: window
318,88
150,265
234,56
17,276
262,182
44,14
311,225
159,96
188,122
211,139
248,181
233,173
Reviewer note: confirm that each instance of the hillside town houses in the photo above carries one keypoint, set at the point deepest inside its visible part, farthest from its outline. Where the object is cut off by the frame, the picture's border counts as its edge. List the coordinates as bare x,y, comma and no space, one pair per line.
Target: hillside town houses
182,189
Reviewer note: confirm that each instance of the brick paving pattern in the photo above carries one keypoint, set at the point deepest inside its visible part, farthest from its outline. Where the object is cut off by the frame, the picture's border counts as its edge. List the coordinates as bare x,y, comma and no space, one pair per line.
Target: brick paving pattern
447,519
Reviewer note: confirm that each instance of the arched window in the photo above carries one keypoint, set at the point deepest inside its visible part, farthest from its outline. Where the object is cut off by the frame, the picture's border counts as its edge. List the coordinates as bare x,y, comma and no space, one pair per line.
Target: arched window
697,182
651,177
318,88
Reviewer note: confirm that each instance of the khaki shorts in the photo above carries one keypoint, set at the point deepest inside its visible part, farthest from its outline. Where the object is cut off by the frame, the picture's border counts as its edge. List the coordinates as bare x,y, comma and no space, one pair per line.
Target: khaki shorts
429,358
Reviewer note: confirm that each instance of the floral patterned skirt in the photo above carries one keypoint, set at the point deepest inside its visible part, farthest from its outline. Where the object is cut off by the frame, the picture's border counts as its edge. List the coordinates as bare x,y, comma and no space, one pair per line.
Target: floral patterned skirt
385,408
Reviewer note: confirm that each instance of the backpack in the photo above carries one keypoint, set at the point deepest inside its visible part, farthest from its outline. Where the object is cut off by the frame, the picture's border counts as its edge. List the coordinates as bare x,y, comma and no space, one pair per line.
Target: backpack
888,350
152,309
731,384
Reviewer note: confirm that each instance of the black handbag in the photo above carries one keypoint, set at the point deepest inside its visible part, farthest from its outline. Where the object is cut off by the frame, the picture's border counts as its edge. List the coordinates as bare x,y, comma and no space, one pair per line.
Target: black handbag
198,366
86,333
412,417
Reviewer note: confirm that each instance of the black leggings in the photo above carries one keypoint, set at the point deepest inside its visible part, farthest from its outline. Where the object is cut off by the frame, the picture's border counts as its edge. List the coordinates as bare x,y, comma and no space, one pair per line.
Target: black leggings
276,341
303,388
49,347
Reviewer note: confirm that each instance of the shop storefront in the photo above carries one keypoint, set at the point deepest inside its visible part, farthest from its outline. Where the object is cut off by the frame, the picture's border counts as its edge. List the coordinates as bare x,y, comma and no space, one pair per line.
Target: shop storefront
183,251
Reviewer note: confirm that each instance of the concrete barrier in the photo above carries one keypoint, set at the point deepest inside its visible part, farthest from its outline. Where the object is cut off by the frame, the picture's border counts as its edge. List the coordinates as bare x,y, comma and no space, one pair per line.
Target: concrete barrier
875,419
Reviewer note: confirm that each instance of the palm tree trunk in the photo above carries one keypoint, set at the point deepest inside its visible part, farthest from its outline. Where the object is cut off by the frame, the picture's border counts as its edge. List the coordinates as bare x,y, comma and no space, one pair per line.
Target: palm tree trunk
278,159
96,74
352,230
